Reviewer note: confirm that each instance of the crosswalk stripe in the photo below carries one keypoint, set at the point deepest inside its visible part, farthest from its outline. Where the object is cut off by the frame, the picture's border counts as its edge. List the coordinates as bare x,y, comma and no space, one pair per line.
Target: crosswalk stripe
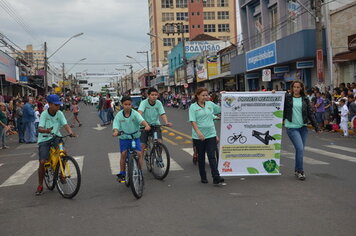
80,161
330,154
1,164
169,141
306,159
114,158
25,146
175,166
353,150
21,176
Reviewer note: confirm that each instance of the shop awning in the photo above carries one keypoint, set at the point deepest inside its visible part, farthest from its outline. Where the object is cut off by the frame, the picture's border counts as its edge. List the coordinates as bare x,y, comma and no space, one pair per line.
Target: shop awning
344,57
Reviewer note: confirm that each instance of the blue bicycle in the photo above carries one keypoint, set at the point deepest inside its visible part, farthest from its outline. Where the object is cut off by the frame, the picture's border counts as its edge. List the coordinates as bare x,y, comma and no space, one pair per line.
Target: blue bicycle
134,175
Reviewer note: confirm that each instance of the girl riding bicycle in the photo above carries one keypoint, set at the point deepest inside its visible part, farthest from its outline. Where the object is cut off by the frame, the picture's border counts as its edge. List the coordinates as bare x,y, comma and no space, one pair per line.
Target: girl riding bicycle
128,120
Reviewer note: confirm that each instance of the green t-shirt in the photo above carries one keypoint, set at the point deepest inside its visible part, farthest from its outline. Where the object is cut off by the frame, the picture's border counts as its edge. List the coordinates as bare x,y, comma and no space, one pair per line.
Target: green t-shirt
151,113
55,122
3,118
297,116
204,117
129,124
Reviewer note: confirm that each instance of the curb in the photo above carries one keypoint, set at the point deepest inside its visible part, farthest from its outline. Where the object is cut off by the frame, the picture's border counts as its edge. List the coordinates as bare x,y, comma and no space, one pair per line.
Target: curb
339,130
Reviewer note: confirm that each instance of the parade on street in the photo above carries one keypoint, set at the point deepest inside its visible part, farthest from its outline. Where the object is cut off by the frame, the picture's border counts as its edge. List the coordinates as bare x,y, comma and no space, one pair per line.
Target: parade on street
214,117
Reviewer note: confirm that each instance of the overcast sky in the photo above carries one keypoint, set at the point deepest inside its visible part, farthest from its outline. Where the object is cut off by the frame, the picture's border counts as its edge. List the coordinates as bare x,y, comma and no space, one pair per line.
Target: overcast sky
112,29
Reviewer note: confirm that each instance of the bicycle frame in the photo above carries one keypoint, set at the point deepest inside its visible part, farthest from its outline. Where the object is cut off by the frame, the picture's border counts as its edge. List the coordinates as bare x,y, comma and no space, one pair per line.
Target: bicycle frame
56,153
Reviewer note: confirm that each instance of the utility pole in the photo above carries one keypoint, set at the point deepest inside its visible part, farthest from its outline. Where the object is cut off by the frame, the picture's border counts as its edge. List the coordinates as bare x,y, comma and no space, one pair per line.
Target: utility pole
45,82
132,82
319,42
63,78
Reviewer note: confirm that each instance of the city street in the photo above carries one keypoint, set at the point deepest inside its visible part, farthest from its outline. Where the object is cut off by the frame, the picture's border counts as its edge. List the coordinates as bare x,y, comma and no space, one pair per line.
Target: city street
324,204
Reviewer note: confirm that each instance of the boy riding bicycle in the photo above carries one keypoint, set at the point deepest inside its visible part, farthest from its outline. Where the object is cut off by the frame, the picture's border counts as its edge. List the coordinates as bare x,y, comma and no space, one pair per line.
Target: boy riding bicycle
151,109
128,120
51,121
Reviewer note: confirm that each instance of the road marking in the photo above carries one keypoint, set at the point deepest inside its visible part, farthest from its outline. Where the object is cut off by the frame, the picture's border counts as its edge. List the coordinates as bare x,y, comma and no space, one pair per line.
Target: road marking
175,166
179,137
1,164
180,133
99,127
114,159
169,141
187,142
306,159
190,151
80,161
171,134
353,150
21,176
331,154
24,146
16,154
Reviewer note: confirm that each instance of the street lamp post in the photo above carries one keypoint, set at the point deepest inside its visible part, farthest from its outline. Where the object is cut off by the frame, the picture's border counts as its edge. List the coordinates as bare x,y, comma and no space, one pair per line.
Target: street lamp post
132,83
122,88
63,76
47,58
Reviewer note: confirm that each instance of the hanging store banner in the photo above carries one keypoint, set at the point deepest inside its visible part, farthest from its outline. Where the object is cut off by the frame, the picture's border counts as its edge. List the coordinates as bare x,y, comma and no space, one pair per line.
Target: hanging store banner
202,73
213,68
261,57
8,67
320,65
251,133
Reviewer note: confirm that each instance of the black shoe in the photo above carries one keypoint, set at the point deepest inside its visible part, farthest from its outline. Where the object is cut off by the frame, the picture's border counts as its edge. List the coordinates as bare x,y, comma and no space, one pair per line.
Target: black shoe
204,181
300,175
121,178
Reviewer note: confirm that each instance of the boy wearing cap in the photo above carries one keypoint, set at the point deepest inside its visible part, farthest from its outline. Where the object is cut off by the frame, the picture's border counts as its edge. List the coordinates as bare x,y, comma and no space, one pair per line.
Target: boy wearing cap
51,121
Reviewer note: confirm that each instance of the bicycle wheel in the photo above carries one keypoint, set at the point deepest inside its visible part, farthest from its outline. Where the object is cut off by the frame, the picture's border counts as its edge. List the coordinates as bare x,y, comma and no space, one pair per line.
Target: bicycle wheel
136,177
68,182
242,139
147,155
160,161
49,178
127,177
231,139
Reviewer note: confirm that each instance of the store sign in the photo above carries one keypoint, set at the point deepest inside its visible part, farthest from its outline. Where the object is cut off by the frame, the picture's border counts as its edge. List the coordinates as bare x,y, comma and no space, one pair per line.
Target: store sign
351,42
320,65
212,64
7,67
261,57
305,64
205,46
293,8
281,69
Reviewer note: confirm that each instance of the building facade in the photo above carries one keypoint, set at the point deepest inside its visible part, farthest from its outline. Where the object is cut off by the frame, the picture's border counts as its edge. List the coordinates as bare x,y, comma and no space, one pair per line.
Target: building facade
214,17
280,36
36,58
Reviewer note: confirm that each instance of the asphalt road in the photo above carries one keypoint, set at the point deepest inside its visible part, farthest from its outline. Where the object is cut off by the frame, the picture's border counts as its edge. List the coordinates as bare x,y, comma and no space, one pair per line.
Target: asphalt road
324,204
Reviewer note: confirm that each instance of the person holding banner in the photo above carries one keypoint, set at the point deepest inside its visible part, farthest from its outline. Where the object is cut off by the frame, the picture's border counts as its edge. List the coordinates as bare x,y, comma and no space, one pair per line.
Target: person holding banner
297,111
201,116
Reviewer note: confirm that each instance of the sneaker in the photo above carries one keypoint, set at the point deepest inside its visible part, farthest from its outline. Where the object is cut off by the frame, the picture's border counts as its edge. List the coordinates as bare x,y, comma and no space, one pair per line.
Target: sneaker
5,147
300,175
39,190
121,178
204,181
219,181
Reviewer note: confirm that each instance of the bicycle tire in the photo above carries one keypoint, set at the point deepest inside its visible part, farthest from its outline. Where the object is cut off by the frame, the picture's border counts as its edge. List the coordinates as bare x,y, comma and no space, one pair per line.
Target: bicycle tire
160,163
49,178
67,182
136,177
127,177
147,154
242,139
231,139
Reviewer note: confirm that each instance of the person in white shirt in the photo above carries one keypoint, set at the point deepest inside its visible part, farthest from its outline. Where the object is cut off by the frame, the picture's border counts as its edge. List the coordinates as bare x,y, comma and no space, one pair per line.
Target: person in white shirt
344,117
37,120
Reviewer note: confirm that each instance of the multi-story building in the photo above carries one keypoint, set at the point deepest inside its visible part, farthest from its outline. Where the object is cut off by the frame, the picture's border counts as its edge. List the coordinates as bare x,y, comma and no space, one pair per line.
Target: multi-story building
36,58
214,17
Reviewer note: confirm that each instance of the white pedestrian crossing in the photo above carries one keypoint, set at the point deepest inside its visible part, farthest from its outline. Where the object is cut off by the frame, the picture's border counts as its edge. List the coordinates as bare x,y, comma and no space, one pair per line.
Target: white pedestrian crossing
190,151
21,176
347,149
114,159
306,159
80,161
321,152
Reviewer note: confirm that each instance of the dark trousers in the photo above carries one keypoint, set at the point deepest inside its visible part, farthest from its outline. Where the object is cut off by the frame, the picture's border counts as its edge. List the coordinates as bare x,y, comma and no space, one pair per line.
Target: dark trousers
209,147
20,129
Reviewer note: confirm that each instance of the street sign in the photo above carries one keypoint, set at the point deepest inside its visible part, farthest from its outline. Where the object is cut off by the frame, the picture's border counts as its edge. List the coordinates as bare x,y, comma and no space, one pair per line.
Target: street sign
266,75
320,65
185,85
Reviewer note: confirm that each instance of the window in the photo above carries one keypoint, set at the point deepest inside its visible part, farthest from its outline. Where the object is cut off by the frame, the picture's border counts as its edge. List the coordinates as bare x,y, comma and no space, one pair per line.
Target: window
198,26
274,22
209,3
180,39
259,28
223,15
168,42
186,28
223,27
193,26
181,3
223,3
192,13
167,17
167,4
209,15
182,15
209,28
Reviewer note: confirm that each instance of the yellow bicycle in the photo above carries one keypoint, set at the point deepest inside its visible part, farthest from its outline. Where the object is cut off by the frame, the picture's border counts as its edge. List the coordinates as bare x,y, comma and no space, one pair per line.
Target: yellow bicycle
62,171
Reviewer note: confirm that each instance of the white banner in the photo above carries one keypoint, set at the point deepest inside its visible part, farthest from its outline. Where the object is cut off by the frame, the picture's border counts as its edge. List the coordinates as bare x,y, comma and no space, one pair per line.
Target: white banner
251,133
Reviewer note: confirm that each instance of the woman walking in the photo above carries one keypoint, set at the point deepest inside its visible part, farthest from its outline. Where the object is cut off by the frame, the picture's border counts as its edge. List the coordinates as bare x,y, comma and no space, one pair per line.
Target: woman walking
297,111
201,116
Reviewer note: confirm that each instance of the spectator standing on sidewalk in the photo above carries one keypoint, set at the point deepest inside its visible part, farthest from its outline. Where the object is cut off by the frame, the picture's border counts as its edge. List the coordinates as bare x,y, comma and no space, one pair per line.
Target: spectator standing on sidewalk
297,111
3,125
19,121
319,109
201,116
28,119
344,117
37,120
